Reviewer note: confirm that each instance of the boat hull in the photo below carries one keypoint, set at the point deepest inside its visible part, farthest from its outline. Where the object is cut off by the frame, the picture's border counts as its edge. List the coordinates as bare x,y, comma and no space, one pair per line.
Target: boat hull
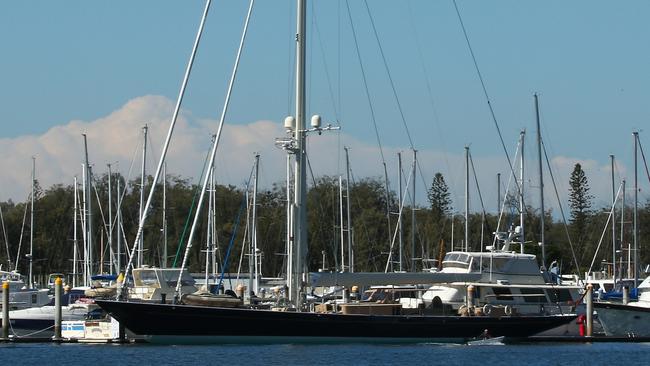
195,322
624,320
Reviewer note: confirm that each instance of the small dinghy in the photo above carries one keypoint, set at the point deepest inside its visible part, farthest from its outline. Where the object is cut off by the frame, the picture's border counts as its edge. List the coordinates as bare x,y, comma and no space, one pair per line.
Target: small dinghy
486,339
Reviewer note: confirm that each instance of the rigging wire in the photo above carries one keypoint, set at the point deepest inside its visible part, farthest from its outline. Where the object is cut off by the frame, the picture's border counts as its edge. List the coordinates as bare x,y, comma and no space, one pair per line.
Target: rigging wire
557,196
434,110
487,97
372,117
4,233
22,231
190,213
365,85
322,213
327,73
390,78
645,163
215,144
232,238
480,196
392,83
170,131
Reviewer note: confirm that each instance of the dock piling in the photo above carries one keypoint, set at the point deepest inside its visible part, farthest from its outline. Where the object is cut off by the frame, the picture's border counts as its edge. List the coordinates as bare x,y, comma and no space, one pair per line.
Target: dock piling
5,310
589,300
58,287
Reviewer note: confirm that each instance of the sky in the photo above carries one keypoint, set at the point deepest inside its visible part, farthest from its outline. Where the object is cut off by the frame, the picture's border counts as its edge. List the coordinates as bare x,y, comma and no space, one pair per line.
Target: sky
108,68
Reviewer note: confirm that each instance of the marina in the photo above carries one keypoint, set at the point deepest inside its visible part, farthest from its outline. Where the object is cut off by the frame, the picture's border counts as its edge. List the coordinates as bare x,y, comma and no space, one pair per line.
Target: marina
147,266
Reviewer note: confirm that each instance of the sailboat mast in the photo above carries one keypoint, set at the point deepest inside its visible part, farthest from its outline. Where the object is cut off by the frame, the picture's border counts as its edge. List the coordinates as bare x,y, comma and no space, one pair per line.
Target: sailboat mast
623,227
542,242
636,207
300,209
498,193
31,228
288,249
613,225
142,180
466,245
84,228
119,227
341,224
399,219
257,269
163,263
415,162
347,203
208,246
110,219
88,207
522,208
74,236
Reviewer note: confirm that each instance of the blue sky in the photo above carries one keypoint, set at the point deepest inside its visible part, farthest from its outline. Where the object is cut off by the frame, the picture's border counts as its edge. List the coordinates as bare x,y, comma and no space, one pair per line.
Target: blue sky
588,60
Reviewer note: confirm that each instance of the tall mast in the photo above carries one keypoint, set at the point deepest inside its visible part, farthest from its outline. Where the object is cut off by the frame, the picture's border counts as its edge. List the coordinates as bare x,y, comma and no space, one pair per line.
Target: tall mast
163,263
466,245
142,181
89,215
613,225
636,207
413,261
31,228
256,284
498,193
110,218
623,227
347,202
84,227
399,219
289,246
208,246
300,209
74,236
119,227
342,224
522,208
542,242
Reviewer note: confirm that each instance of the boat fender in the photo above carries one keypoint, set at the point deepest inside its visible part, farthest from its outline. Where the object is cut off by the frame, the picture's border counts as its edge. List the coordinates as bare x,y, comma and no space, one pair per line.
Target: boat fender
507,310
463,310
487,309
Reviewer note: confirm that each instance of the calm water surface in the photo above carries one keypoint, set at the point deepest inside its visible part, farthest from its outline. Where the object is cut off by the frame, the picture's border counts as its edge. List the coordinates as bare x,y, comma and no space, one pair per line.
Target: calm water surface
353,354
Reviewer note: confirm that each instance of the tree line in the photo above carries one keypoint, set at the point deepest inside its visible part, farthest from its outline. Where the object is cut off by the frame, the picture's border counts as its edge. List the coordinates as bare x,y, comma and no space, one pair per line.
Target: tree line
437,229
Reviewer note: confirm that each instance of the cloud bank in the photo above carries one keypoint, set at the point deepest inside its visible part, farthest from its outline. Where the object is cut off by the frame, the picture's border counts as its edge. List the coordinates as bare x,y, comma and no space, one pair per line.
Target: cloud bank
116,139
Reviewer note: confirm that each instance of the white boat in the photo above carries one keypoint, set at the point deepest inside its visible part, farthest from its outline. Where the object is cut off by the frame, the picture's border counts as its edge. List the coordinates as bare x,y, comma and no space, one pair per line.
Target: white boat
20,295
39,321
627,320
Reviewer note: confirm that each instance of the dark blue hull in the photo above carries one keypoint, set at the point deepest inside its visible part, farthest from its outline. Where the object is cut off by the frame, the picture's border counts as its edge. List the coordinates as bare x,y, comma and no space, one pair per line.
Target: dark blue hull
196,321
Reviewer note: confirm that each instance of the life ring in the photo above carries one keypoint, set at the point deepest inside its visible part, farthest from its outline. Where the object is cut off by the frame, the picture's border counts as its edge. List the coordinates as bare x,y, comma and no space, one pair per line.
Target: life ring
507,310
487,309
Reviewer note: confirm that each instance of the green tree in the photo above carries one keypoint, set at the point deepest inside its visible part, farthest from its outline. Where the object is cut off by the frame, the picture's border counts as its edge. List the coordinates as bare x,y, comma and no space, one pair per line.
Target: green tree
440,200
439,197
580,205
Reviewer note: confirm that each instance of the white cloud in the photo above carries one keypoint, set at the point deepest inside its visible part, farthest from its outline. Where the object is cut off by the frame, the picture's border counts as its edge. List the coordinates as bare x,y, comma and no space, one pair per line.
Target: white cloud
117,139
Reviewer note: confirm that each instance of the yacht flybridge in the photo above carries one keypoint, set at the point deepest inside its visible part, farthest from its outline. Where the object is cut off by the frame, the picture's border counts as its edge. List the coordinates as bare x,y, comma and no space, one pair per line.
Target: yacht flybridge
510,280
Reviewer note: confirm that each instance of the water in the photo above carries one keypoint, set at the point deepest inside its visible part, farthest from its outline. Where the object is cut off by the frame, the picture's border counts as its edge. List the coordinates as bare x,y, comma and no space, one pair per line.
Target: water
352,354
